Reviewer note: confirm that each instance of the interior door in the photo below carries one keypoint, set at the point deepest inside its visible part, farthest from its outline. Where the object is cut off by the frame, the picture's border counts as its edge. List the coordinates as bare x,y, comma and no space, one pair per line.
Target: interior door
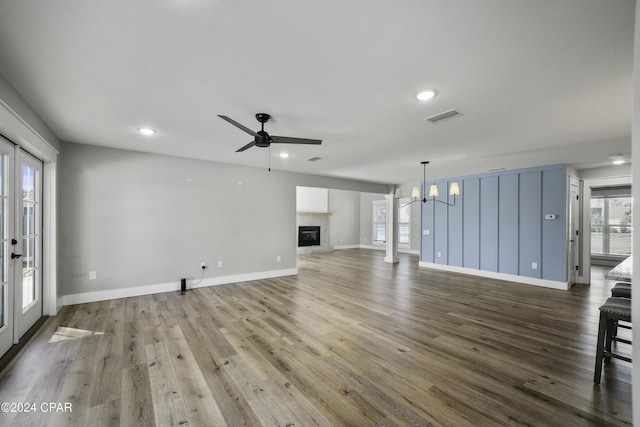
7,293
574,233
28,246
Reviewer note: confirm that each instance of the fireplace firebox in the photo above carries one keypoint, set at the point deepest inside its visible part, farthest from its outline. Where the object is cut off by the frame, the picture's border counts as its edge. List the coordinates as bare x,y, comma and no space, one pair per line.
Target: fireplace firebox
308,235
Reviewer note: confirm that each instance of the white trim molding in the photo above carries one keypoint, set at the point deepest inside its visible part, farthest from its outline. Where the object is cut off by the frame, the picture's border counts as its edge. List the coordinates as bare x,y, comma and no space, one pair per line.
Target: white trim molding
499,276
338,247
377,248
135,291
20,132
23,134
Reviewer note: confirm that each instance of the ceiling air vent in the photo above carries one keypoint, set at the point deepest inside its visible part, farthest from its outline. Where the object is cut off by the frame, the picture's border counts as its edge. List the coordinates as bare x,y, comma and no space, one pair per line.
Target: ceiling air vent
313,159
442,116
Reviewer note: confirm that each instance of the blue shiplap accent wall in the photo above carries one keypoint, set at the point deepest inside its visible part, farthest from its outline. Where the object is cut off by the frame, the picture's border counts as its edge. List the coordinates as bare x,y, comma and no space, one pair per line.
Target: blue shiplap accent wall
470,201
499,225
529,224
554,237
441,232
455,232
508,224
489,223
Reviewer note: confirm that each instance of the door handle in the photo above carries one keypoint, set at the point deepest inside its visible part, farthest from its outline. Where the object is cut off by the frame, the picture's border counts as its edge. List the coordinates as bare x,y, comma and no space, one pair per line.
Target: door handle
15,255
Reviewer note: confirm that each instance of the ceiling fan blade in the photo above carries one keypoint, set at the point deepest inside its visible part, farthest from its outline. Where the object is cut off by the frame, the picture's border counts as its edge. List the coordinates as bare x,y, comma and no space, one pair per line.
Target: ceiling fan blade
249,145
238,125
289,140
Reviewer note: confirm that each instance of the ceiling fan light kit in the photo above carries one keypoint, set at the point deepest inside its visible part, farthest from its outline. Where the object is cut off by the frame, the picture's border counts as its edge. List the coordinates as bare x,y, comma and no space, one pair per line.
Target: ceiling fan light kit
454,190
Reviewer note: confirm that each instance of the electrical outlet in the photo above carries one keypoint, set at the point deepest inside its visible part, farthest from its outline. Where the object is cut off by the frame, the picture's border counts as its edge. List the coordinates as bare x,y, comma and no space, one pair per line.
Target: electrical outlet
439,254
203,265
219,263
278,258
425,232
92,275
534,265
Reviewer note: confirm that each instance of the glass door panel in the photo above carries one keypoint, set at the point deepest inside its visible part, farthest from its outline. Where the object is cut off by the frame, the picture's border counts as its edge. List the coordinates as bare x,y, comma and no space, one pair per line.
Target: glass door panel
29,218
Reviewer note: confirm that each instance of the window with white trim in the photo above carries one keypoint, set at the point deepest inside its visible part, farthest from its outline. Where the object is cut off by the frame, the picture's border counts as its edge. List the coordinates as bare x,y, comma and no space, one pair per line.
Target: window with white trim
404,223
379,236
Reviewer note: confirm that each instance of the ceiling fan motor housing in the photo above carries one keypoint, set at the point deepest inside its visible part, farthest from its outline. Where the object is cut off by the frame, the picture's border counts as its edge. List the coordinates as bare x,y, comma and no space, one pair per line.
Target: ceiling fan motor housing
263,117
262,139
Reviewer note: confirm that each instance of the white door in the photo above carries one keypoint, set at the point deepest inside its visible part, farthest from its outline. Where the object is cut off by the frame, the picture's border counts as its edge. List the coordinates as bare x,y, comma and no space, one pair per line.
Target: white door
20,243
7,288
28,267
574,234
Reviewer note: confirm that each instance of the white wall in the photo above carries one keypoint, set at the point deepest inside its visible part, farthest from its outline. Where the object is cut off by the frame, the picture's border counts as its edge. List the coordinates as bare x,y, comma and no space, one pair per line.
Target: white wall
623,170
140,219
366,217
310,199
344,221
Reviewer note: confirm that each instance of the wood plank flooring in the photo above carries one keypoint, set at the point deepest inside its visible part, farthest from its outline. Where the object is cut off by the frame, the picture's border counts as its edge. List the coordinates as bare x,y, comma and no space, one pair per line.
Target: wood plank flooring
349,341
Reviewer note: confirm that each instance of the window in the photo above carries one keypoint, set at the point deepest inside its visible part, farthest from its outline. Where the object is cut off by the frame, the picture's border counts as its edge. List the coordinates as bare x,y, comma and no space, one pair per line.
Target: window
611,225
379,222
404,222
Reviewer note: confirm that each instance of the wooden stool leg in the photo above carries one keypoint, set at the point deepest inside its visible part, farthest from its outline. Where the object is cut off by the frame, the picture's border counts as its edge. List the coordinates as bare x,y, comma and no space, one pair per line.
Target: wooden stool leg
608,338
602,326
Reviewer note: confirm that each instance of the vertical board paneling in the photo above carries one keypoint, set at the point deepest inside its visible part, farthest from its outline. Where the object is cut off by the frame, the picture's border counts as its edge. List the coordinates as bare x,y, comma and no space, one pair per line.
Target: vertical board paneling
529,224
508,224
455,232
498,224
554,234
427,227
471,223
441,226
489,223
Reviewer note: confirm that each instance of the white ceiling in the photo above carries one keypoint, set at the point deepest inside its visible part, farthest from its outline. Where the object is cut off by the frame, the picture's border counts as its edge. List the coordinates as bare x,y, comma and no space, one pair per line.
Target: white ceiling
537,82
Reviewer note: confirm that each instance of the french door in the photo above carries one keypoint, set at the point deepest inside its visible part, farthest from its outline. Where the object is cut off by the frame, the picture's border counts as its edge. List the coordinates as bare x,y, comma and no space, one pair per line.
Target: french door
20,243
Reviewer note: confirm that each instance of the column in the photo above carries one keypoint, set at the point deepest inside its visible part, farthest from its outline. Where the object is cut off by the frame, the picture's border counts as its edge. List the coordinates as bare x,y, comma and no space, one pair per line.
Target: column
392,228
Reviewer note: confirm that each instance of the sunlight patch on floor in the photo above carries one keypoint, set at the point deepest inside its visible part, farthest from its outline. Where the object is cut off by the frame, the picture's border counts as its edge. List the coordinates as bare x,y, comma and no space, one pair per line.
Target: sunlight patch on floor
63,334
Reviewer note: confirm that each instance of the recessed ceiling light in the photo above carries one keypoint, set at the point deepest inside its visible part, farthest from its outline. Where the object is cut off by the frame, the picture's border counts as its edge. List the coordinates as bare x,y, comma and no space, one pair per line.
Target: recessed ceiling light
146,131
616,159
426,95
284,155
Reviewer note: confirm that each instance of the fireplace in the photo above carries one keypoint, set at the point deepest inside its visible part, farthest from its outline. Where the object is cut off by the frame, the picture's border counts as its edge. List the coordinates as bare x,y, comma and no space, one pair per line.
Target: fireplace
309,235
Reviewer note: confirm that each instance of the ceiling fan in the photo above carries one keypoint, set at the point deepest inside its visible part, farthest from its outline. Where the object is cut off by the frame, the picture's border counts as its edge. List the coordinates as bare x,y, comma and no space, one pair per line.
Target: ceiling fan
263,139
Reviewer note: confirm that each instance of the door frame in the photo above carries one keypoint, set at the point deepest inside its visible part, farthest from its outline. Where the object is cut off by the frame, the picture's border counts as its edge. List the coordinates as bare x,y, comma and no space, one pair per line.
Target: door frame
36,138
574,232
9,328
586,218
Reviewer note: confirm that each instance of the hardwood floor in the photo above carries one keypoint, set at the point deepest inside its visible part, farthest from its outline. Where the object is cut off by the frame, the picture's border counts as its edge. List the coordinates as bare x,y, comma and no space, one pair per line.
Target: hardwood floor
350,340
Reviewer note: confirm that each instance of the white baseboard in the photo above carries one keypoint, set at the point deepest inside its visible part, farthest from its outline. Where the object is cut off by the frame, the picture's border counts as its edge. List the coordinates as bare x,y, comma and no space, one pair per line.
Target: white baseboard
338,247
377,248
499,276
172,286
409,251
374,247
